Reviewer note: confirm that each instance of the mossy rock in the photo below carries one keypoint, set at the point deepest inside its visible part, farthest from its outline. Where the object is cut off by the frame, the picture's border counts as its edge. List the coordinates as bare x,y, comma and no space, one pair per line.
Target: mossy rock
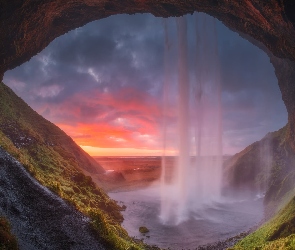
143,230
284,230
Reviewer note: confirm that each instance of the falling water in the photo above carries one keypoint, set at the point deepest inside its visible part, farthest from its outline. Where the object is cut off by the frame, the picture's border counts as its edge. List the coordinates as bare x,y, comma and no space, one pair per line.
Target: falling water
195,180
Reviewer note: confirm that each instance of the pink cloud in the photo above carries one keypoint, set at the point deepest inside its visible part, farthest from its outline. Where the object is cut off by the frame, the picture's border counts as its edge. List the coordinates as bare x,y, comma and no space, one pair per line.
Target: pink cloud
127,117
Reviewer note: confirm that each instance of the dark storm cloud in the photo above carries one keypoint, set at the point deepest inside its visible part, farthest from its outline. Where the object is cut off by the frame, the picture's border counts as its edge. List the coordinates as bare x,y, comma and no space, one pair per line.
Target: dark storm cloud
124,50
113,50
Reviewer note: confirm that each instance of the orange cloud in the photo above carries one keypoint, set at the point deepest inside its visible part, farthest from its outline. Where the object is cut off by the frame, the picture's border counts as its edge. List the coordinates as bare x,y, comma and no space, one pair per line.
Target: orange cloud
127,118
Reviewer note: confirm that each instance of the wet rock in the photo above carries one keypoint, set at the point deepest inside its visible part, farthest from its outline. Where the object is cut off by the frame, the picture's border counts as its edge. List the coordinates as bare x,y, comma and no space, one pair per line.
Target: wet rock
39,218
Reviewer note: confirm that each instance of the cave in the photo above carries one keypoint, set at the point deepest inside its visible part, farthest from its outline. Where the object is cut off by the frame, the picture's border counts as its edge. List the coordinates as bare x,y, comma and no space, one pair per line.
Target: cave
28,27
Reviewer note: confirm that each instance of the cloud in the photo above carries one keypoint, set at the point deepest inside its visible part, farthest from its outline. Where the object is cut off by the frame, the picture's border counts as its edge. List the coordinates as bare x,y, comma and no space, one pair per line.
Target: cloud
48,91
102,83
124,118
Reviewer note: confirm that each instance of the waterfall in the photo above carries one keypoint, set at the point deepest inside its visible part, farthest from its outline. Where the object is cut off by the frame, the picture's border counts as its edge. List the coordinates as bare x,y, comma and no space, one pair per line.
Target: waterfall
194,180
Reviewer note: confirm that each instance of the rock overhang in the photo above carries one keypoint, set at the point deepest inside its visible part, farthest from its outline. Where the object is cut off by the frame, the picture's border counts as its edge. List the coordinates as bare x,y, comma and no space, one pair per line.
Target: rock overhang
28,26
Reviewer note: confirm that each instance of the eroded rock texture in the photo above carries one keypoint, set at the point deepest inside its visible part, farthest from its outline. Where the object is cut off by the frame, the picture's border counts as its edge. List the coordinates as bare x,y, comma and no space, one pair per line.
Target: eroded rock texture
39,218
28,26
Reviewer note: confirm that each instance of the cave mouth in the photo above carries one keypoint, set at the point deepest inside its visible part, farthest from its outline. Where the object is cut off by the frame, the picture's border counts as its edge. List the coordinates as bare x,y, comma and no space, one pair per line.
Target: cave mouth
118,61
115,94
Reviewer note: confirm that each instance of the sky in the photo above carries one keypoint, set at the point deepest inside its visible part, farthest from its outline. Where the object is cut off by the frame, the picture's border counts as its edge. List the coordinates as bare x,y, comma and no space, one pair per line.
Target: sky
102,84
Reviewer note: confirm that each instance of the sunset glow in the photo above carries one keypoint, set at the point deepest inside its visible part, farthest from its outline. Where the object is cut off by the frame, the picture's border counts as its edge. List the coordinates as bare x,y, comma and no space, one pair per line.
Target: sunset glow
102,85
96,151
121,123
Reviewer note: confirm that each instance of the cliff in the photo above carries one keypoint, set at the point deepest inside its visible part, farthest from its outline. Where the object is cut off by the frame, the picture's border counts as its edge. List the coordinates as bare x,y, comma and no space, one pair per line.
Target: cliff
264,167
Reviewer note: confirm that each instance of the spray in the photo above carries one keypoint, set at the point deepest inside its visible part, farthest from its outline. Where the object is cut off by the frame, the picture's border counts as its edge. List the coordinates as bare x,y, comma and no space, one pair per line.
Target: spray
196,178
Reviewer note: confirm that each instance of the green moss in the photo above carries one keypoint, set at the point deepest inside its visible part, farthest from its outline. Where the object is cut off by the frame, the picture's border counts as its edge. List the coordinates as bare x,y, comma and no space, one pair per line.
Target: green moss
110,231
278,233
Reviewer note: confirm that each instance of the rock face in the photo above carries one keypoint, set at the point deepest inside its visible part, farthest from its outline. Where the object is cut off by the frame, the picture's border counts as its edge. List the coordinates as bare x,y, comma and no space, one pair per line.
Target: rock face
264,167
28,26
249,171
39,218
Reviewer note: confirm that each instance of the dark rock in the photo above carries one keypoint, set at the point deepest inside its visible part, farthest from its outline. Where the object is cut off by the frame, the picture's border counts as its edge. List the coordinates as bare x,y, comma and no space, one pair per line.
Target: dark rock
39,218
